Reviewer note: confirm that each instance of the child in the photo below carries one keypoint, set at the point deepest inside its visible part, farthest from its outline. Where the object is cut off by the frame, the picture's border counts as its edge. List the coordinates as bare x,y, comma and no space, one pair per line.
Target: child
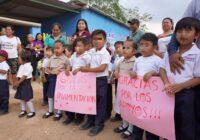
79,58
45,79
4,86
125,67
56,64
119,57
99,65
186,31
23,84
147,65
69,51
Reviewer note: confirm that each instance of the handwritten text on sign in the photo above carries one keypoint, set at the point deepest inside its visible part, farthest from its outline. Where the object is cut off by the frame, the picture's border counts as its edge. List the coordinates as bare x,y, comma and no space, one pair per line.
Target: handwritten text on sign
145,105
76,93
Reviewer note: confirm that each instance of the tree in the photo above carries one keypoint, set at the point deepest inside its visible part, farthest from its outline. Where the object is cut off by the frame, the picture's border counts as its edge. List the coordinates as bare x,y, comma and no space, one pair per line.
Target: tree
114,9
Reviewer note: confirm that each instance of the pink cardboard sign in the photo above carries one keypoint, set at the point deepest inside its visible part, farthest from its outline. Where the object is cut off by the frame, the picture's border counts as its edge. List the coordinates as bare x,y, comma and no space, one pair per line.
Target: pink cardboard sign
145,105
76,93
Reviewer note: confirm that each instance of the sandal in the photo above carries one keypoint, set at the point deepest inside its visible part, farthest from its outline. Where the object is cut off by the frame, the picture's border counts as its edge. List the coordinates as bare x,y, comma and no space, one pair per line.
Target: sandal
57,117
126,134
47,115
22,114
120,129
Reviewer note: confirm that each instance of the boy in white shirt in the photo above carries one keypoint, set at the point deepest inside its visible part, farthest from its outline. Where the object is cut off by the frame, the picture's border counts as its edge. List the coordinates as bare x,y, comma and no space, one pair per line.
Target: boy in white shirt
147,65
99,65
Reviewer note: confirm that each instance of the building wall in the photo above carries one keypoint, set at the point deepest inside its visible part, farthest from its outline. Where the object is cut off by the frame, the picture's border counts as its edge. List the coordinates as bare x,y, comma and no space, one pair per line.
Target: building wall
67,21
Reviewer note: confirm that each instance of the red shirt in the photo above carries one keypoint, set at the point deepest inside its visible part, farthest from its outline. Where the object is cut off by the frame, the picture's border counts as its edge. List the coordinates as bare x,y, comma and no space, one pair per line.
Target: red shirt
82,34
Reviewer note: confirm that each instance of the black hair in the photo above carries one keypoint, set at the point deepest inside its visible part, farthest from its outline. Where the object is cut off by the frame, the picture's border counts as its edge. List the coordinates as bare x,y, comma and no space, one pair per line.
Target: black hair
171,20
188,23
50,49
12,28
97,32
133,44
2,28
86,25
59,41
80,39
69,47
25,56
88,40
150,37
119,42
56,24
37,35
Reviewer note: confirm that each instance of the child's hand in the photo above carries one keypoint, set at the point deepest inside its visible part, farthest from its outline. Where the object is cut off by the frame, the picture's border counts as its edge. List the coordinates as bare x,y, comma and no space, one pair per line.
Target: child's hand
84,69
174,88
167,88
16,85
148,75
75,71
58,71
44,80
67,72
133,74
116,74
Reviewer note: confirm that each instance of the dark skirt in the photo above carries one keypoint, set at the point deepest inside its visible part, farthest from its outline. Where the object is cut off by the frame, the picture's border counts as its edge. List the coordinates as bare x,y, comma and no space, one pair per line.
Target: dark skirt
4,95
24,91
52,86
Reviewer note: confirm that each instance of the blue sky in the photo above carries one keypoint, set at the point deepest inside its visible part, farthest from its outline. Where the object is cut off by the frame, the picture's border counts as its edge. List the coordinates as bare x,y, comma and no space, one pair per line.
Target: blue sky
158,9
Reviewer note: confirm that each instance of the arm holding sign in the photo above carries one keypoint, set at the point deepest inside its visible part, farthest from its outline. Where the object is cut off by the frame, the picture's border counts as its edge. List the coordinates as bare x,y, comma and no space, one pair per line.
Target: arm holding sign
101,68
174,88
148,75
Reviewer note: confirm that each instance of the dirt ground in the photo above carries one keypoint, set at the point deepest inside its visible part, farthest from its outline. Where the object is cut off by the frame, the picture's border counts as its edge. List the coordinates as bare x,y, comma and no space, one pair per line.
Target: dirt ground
37,128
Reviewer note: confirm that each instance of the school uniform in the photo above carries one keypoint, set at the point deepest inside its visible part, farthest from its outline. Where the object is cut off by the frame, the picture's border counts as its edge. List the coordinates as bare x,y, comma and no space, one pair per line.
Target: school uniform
142,66
4,86
25,91
185,122
76,62
46,84
55,63
100,57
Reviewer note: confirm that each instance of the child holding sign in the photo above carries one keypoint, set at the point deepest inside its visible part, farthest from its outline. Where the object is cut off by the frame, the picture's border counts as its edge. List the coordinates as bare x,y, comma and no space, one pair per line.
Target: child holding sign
56,64
125,67
99,65
79,59
147,65
187,30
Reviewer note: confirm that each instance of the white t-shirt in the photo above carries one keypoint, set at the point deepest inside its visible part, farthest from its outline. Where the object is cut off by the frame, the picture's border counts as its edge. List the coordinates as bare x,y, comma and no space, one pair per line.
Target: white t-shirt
3,66
10,45
25,70
191,65
80,61
162,44
99,58
144,65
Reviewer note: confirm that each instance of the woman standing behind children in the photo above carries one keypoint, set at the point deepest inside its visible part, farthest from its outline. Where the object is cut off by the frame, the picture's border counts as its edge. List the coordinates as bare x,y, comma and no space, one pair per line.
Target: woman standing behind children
23,84
56,64
81,30
79,59
4,94
125,67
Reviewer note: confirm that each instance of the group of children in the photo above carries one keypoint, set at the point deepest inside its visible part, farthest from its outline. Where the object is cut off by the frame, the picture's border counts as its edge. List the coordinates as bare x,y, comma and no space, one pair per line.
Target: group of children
97,59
